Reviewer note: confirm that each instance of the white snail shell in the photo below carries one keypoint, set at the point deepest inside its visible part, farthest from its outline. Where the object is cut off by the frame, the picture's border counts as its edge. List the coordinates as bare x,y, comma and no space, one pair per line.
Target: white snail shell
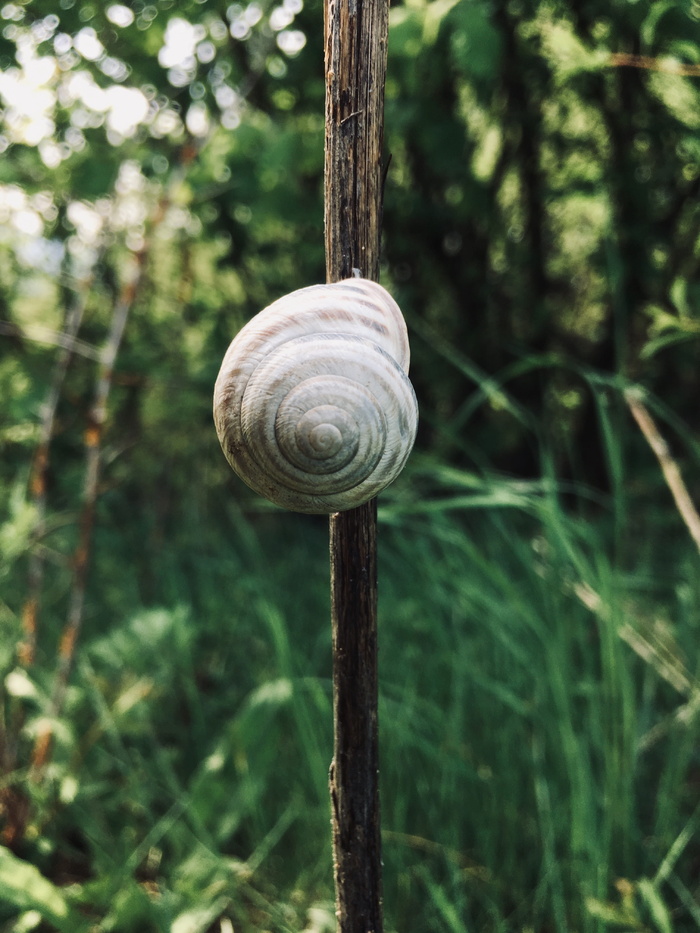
313,406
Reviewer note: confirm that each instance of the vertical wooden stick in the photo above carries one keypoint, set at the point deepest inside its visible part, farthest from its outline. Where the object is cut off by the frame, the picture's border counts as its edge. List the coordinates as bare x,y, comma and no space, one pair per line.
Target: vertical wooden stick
355,773
356,46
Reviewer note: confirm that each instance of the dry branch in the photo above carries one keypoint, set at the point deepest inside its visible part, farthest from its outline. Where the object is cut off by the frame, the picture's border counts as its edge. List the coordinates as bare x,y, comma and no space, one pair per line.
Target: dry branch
93,439
67,340
93,463
14,802
649,63
356,45
669,467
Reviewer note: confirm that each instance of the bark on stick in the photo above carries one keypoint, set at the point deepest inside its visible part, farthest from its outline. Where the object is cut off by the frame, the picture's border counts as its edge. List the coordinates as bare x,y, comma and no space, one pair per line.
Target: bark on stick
356,44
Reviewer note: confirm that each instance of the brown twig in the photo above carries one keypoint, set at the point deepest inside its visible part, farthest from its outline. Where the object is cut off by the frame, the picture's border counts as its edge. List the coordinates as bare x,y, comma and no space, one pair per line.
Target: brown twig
649,63
38,479
13,800
93,438
669,467
93,463
646,641
649,644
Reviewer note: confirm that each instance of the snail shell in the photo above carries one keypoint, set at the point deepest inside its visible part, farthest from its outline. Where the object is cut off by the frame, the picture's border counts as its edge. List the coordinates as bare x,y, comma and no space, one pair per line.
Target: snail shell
313,406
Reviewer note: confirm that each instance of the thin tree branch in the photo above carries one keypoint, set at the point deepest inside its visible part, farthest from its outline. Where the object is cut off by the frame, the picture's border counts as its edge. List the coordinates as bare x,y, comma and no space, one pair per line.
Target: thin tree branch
93,462
654,651
35,333
38,479
93,440
14,802
669,467
649,63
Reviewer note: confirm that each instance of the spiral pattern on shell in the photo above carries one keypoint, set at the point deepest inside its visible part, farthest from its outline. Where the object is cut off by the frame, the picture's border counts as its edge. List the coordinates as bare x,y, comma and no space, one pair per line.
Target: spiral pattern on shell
313,406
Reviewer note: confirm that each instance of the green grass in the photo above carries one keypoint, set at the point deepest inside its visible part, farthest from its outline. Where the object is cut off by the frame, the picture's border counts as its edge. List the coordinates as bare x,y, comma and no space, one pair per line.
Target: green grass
538,738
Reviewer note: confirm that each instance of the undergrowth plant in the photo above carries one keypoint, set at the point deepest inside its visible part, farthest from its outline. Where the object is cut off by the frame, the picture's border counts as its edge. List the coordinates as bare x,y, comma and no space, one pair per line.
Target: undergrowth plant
538,701
165,658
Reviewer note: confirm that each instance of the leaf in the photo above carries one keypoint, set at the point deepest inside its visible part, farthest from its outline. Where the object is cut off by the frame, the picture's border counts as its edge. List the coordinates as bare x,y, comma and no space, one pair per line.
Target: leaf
19,684
612,914
199,919
656,12
420,22
679,296
15,533
652,347
653,901
435,13
684,50
26,922
567,53
476,42
677,94
23,886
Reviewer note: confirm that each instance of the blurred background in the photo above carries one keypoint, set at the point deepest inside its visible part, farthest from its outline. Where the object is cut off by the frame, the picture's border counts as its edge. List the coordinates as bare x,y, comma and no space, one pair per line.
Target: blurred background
165,642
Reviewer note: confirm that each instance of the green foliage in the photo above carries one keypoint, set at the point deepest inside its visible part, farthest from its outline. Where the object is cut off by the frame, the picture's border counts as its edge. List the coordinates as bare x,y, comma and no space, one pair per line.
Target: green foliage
16,530
532,736
26,889
539,600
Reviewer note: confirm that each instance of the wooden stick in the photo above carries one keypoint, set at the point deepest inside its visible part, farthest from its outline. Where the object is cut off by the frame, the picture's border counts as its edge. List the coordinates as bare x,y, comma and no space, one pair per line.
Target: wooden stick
354,778
356,45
